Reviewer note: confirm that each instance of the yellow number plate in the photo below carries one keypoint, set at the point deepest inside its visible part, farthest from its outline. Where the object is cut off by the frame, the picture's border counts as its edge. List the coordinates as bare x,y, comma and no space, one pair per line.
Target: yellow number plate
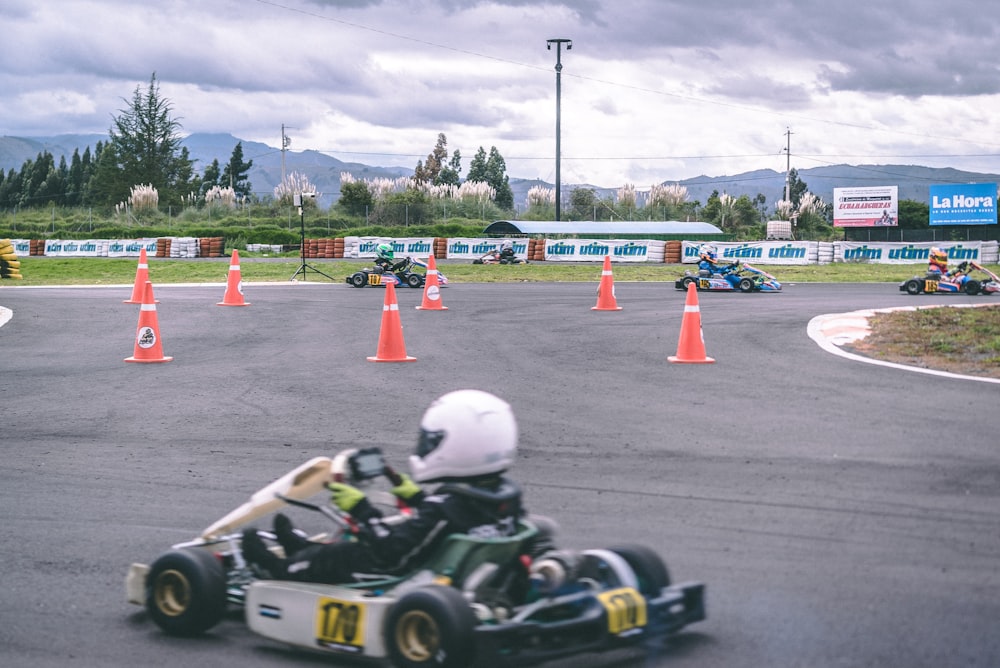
626,609
340,623
374,279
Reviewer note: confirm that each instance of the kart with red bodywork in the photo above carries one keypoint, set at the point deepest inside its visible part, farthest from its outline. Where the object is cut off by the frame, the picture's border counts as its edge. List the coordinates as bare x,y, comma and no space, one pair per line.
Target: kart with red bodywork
960,281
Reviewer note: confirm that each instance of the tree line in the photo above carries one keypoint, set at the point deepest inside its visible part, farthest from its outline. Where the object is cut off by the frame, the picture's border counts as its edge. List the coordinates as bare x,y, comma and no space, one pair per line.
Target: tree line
143,148
144,151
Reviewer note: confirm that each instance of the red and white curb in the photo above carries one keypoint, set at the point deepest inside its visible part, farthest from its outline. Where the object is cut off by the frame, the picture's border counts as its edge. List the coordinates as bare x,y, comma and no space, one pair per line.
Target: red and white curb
833,330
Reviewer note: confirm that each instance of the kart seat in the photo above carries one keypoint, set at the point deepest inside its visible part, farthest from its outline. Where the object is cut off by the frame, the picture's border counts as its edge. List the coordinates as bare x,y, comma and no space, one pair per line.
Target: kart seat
462,554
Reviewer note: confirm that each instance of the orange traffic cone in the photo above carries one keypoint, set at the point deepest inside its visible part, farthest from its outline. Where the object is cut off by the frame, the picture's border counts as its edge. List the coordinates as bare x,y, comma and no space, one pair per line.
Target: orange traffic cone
141,276
432,288
148,347
691,345
391,347
606,290
234,287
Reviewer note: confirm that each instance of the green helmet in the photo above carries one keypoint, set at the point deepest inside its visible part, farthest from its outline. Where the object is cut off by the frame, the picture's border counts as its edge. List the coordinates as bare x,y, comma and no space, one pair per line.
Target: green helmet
385,252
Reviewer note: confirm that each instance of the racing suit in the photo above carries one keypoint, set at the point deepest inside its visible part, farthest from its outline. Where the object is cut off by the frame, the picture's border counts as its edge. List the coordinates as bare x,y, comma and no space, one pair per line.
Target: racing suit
388,266
486,511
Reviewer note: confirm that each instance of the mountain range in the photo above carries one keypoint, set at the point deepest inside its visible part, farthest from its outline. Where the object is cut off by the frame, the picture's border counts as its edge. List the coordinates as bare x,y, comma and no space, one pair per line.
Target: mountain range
324,171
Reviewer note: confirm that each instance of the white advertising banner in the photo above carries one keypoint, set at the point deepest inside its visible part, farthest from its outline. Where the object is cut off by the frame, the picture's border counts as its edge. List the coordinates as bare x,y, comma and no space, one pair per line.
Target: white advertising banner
21,246
365,247
916,253
873,206
473,249
594,250
99,247
759,252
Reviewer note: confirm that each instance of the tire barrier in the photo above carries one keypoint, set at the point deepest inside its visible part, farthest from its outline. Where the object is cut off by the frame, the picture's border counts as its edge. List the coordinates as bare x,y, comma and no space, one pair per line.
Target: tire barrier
211,246
537,254
10,266
666,252
672,252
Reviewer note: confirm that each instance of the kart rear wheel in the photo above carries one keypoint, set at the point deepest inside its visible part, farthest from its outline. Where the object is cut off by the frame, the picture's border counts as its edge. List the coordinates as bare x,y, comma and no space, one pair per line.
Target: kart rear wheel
746,284
972,287
914,286
431,626
688,280
649,568
415,280
359,279
186,592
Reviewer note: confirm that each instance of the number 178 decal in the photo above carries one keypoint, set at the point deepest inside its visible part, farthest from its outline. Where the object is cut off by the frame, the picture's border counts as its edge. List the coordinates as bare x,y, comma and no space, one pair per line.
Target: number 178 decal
340,624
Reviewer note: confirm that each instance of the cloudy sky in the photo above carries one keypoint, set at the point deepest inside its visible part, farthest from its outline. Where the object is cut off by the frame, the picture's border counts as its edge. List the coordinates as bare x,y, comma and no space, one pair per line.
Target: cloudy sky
652,90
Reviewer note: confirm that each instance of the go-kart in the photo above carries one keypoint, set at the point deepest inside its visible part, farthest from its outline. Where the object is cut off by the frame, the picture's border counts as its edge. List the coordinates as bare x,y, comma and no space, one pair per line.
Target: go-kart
475,602
737,276
496,257
959,281
401,274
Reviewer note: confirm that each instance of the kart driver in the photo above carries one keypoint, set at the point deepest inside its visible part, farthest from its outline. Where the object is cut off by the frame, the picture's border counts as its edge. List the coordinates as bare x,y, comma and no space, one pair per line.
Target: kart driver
937,263
707,263
507,255
468,439
384,259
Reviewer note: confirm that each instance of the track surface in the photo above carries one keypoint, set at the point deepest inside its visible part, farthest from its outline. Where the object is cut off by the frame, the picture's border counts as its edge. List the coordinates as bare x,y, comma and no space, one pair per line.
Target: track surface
841,514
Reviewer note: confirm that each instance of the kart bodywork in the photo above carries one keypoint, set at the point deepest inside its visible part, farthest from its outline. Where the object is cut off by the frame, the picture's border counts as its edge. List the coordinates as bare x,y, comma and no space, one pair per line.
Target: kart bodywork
474,602
402,276
959,282
735,277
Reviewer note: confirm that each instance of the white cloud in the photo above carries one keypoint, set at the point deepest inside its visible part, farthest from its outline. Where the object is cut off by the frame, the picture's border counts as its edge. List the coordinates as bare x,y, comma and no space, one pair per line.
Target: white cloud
652,90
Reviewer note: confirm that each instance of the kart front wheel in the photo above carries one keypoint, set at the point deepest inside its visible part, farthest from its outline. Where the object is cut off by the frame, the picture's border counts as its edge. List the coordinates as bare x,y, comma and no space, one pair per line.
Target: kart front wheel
431,626
415,280
746,285
972,287
359,280
186,592
649,568
914,286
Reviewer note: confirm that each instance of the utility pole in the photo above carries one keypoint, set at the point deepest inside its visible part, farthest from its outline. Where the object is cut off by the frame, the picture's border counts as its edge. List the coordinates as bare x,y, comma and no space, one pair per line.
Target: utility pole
286,141
559,41
788,164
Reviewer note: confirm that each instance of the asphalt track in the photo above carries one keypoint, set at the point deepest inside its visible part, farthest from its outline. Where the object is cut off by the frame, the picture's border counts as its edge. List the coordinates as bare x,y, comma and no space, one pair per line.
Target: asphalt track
841,513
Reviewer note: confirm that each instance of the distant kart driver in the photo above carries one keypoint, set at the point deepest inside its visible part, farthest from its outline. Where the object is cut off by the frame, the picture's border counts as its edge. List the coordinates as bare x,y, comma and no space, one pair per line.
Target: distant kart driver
385,259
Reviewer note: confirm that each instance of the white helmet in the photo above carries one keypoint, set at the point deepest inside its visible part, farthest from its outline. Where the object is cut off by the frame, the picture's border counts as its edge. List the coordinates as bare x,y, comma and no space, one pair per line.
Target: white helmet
465,434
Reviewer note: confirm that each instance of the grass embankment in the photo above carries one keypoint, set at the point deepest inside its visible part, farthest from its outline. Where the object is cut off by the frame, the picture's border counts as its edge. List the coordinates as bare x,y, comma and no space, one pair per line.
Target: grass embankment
962,340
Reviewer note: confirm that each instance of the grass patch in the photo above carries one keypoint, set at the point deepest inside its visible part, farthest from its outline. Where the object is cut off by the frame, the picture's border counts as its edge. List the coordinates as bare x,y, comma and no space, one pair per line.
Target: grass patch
961,340
255,267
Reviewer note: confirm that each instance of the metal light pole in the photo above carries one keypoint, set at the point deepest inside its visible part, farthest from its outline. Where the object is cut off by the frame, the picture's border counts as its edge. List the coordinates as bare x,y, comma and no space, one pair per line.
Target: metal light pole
548,45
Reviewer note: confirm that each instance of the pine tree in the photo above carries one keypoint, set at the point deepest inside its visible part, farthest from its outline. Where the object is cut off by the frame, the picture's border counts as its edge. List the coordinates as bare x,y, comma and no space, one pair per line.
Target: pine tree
144,148
235,174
